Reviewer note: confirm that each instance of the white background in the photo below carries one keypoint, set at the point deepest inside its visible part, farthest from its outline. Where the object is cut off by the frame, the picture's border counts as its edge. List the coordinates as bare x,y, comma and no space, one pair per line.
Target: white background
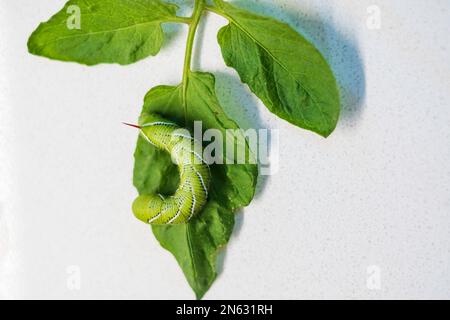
363,214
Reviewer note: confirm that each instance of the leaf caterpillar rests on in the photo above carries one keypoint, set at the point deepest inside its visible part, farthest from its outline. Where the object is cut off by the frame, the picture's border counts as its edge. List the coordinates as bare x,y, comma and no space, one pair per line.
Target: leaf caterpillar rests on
192,192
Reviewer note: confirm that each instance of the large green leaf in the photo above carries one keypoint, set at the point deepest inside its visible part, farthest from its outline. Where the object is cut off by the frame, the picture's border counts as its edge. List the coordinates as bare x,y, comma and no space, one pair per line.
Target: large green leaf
281,67
111,31
195,245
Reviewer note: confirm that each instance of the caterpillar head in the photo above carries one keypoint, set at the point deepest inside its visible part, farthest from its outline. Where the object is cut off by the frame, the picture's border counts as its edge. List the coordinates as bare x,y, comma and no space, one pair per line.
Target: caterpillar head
147,207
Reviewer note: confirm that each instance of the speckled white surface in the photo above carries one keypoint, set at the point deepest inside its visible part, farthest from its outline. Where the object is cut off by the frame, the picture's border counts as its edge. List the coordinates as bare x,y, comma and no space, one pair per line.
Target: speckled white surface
363,214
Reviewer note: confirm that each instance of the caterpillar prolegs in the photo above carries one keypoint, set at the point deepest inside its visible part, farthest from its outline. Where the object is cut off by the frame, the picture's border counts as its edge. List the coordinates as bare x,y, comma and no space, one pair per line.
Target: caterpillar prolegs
192,192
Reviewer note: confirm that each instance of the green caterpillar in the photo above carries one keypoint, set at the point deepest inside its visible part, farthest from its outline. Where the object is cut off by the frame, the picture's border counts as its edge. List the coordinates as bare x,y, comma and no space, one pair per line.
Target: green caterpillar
192,192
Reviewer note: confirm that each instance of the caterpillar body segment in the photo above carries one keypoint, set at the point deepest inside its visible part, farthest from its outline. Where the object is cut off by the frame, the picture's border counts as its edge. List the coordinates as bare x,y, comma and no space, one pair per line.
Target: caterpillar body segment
192,192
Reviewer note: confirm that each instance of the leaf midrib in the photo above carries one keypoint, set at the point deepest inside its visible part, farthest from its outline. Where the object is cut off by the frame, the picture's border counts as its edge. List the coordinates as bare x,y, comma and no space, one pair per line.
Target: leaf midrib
105,31
191,250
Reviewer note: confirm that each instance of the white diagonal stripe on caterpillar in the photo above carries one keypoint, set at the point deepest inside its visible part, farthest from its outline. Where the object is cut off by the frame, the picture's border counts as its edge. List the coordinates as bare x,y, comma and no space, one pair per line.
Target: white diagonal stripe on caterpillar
199,175
176,215
194,202
180,135
155,218
199,157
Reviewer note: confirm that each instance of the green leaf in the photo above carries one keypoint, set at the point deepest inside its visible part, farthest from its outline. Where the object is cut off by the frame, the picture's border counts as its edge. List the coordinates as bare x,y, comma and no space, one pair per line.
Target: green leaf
195,245
281,67
110,31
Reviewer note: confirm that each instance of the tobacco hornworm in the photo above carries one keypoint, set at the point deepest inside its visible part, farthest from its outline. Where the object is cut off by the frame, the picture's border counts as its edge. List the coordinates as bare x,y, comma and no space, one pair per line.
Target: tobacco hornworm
192,192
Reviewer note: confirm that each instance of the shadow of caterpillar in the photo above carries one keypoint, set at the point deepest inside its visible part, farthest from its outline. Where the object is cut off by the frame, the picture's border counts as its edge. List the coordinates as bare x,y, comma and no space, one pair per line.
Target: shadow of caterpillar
192,192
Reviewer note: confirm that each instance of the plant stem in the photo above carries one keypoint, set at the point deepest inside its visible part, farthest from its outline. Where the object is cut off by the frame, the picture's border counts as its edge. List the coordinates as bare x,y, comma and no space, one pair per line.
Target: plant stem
179,19
195,19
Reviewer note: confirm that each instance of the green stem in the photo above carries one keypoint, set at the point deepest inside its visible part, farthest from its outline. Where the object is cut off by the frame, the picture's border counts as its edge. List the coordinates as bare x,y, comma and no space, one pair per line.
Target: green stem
179,19
195,19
